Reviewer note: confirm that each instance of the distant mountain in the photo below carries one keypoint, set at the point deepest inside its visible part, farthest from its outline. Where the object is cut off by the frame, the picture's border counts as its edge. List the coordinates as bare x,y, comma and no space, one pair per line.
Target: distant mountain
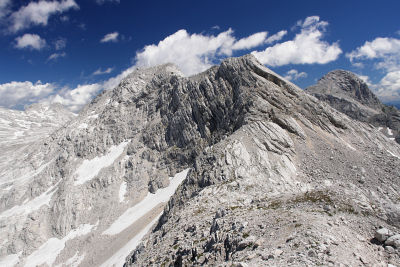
347,93
235,166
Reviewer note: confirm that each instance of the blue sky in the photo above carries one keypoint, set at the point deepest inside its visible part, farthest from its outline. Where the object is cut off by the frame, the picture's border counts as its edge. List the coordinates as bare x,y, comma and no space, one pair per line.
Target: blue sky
67,51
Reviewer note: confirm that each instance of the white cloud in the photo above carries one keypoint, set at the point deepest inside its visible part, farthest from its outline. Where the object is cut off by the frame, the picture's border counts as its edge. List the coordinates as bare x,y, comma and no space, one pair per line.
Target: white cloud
251,41
32,41
385,52
365,78
38,13
56,56
4,8
101,72
110,37
388,88
60,44
20,93
194,53
76,98
276,37
306,48
293,75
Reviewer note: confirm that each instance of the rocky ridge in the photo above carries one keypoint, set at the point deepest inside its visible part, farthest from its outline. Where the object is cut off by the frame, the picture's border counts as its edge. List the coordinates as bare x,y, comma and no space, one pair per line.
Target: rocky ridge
295,183
270,176
346,92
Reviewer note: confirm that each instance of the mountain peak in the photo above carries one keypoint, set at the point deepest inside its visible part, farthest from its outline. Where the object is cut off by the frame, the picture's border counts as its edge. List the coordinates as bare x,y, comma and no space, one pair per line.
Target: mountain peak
347,86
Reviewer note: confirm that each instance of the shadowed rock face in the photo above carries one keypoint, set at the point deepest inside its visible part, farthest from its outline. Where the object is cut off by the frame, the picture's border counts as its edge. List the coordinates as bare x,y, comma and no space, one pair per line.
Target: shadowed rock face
273,173
346,92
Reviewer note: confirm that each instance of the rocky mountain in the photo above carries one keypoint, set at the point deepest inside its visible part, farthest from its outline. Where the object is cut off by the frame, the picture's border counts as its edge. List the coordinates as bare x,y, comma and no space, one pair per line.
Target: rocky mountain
233,166
346,92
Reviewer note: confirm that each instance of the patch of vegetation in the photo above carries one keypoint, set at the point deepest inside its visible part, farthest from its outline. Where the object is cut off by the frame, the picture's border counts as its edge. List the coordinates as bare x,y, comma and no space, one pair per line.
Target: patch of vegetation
314,197
234,207
176,246
275,204
297,225
199,211
245,235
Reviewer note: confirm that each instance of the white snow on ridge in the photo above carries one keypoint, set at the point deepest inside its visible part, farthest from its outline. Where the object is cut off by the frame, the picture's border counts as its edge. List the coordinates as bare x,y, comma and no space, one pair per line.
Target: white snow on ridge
32,205
90,168
389,131
122,191
134,213
118,259
48,252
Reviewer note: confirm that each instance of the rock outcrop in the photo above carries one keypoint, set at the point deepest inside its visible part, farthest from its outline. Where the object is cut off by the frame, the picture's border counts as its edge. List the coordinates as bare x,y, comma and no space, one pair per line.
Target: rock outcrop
346,92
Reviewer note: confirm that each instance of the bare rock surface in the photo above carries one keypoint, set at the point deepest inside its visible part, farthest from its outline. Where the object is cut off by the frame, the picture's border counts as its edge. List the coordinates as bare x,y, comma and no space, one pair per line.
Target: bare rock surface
346,92
248,169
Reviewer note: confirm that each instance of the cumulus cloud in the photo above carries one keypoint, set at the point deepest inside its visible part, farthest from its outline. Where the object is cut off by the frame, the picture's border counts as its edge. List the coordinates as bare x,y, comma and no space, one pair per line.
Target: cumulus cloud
194,53
110,37
31,41
38,13
18,93
101,72
385,52
293,75
306,48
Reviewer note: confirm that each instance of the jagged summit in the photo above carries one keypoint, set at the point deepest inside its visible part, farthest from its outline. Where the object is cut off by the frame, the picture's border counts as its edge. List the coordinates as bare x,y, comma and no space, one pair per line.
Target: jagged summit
218,166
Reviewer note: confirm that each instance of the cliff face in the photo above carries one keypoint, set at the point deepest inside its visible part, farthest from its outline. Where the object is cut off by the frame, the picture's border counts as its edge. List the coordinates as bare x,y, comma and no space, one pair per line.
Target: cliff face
234,164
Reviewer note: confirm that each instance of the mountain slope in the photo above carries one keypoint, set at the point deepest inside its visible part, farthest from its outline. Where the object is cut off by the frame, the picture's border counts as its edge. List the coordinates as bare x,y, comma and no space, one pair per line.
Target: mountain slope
294,183
224,153
347,93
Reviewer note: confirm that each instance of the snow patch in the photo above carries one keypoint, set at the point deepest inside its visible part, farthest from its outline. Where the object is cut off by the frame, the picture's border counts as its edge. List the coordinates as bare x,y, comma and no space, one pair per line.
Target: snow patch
90,168
147,204
118,259
394,155
95,116
9,260
389,131
30,206
122,191
48,252
83,125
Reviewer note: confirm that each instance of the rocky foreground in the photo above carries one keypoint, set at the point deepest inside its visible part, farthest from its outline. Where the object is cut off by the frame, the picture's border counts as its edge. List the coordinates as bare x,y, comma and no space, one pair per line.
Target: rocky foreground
233,166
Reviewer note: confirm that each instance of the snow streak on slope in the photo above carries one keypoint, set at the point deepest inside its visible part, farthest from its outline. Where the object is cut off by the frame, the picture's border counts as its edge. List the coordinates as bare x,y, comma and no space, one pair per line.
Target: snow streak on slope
118,259
32,205
90,168
147,204
48,252
9,260
122,191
